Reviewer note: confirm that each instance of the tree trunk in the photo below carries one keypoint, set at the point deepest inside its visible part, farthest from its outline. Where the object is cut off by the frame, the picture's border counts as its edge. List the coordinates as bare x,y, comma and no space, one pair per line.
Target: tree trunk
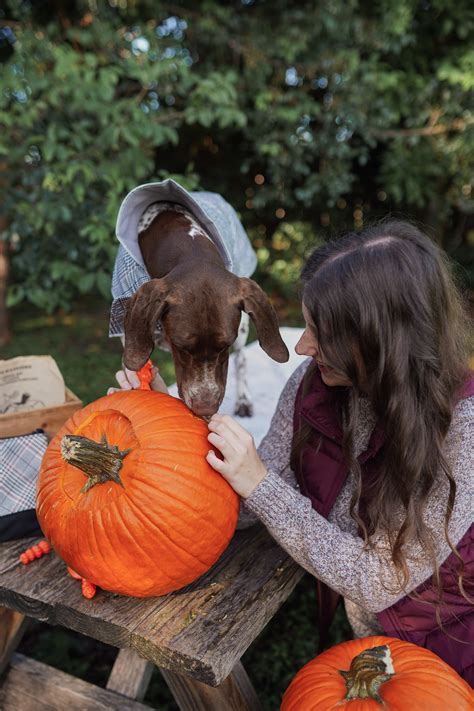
5,333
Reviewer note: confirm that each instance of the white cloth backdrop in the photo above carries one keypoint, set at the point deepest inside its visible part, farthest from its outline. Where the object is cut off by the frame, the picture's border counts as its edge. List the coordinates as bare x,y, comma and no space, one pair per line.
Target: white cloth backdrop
265,379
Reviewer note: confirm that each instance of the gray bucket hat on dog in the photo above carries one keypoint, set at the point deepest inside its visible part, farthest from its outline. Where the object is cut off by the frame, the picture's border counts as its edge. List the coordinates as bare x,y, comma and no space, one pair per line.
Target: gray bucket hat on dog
210,211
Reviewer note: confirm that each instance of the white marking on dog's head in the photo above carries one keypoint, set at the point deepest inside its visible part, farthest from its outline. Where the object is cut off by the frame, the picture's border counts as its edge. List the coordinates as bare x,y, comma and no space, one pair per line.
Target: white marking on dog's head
195,230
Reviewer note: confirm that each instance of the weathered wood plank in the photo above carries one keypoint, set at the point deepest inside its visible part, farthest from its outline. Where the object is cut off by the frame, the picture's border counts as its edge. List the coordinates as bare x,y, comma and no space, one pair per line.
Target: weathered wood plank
45,591
209,625
201,630
130,675
236,692
34,686
12,627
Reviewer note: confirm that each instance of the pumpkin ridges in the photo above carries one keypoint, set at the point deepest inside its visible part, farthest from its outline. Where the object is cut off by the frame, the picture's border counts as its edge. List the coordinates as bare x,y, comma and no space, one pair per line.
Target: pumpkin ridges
162,547
101,529
418,675
141,557
301,702
423,684
171,480
136,478
101,550
48,490
171,486
117,571
56,531
173,474
86,548
118,400
67,532
62,530
428,672
148,550
157,526
103,404
114,580
201,512
165,433
169,462
131,404
84,544
159,557
330,684
193,446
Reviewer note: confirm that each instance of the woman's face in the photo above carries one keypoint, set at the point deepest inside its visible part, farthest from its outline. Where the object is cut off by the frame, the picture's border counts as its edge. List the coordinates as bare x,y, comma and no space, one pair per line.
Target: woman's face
308,345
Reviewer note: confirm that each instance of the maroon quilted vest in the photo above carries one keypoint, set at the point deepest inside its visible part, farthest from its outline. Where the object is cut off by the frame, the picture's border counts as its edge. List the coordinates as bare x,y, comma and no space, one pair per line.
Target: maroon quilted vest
321,477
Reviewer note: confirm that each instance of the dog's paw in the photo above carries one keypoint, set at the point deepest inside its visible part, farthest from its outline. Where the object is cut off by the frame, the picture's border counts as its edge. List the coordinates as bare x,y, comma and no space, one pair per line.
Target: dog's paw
243,409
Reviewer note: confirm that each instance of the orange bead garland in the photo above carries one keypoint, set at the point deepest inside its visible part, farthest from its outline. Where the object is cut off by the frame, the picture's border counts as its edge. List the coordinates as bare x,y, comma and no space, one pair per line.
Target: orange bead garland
36,551
88,589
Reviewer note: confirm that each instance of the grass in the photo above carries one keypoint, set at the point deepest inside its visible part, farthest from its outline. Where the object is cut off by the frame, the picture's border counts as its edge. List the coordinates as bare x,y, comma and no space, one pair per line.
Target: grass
79,342
88,360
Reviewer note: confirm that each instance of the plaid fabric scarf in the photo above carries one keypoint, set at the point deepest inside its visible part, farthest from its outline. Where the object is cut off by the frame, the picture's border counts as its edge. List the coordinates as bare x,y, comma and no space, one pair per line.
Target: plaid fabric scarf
20,461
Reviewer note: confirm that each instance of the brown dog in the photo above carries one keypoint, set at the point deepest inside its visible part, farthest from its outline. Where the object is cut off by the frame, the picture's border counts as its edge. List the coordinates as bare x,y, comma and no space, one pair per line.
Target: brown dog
199,304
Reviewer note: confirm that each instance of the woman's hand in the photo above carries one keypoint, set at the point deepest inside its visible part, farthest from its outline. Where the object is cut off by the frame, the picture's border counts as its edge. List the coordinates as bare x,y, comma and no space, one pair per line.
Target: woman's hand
128,380
242,467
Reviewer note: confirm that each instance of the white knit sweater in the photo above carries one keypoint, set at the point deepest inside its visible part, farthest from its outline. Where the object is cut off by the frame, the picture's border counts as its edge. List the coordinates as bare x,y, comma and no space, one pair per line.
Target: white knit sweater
330,549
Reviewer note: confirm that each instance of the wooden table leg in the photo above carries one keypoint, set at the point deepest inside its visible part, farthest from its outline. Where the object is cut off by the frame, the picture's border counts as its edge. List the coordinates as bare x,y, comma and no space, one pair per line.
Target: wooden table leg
12,627
130,675
236,692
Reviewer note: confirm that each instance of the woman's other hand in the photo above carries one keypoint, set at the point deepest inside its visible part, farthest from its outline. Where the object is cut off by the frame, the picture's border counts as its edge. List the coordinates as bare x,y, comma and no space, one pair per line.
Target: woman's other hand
128,380
242,466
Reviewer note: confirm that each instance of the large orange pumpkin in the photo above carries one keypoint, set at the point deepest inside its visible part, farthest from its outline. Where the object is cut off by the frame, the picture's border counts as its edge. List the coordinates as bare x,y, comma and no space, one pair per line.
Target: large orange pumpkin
127,498
377,674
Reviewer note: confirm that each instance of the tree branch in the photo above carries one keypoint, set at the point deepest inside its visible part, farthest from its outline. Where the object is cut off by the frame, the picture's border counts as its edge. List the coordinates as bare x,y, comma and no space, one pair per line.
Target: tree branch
456,125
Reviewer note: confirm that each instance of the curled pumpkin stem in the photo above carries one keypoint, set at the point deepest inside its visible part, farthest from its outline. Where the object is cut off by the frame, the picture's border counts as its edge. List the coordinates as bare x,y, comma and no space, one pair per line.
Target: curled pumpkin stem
369,670
100,461
145,375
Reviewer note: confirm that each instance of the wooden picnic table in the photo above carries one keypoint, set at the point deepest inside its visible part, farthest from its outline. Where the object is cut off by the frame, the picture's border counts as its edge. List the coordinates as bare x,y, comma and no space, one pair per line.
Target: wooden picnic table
195,636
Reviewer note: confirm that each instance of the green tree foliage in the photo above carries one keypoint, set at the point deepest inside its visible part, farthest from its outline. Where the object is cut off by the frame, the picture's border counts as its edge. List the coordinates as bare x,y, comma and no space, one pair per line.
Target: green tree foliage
308,117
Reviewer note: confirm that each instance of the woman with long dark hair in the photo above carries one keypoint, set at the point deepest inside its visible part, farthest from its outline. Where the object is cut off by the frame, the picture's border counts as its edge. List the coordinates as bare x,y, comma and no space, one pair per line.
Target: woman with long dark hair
365,476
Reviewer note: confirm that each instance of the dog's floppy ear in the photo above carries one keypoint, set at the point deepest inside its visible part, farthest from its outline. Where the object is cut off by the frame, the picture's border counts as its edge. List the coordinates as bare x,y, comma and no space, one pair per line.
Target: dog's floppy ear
143,311
255,303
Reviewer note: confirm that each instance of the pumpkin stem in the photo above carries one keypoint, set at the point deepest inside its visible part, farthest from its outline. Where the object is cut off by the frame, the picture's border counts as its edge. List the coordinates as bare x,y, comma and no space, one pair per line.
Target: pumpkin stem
369,670
99,461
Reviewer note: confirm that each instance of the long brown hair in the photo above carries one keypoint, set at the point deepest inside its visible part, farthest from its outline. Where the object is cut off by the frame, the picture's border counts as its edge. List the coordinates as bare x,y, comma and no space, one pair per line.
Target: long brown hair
386,298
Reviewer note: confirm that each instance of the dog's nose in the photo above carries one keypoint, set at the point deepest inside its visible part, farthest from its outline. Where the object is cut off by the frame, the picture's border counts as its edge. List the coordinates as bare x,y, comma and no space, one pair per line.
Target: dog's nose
204,408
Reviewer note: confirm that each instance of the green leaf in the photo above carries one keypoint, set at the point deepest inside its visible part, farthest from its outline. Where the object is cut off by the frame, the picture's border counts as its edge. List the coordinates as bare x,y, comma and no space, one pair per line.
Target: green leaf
104,284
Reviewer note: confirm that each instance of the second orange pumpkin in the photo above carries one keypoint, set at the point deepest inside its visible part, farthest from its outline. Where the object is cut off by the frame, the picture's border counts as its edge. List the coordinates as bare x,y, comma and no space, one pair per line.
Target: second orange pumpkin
377,674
